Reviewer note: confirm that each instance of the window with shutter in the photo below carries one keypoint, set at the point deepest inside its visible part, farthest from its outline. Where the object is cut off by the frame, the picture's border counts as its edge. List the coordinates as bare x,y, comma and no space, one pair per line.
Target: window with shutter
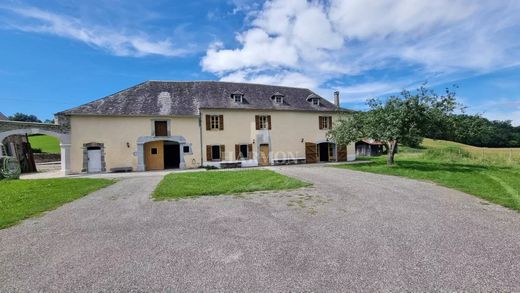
214,122
250,151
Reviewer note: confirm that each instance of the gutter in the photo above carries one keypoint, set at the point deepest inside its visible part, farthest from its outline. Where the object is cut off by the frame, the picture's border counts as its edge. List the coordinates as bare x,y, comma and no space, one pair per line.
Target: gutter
200,139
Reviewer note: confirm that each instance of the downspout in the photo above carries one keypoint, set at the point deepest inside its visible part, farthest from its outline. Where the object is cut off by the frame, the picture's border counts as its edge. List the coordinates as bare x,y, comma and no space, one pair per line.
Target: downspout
200,139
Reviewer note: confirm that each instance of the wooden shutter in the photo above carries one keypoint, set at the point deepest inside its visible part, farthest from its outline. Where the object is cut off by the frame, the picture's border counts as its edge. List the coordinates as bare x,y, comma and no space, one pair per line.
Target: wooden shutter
161,128
249,151
237,152
320,118
221,122
208,153
310,152
330,122
342,153
269,122
257,122
222,152
208,126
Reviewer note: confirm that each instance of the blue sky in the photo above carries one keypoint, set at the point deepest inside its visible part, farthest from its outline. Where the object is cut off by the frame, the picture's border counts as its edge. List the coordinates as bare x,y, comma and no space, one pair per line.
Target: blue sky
62,53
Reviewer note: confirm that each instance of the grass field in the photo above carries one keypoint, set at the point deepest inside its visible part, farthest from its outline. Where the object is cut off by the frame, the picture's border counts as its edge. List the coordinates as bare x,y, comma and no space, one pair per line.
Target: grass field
21,199
47,144
178,185
493,177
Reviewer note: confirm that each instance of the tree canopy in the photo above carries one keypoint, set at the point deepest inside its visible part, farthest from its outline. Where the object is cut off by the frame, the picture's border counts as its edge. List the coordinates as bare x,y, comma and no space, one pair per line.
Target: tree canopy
24,118
404,118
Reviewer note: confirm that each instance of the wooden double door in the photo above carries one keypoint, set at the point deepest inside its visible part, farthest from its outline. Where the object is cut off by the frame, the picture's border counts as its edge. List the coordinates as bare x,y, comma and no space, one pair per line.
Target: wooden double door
160,155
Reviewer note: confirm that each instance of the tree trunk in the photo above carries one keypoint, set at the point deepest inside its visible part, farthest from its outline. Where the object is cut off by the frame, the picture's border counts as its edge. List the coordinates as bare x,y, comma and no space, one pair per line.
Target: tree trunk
392,147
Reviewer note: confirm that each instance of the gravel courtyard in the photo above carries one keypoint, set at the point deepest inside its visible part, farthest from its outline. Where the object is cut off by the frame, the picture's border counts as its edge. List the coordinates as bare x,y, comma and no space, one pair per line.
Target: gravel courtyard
351,231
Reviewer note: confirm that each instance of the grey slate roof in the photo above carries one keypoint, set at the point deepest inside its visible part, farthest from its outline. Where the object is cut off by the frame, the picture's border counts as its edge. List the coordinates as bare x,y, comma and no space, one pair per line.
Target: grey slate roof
2,116
164,98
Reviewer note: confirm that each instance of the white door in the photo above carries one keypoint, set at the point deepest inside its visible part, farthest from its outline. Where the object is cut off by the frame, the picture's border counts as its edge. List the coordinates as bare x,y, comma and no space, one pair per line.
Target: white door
94,161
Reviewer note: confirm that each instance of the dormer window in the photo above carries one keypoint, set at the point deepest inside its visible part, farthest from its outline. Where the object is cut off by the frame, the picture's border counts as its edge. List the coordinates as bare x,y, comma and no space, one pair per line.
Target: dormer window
277,98
237,97
313,99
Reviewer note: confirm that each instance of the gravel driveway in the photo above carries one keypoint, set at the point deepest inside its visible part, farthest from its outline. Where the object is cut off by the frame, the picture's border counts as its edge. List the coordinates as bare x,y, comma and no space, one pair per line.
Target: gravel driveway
352,231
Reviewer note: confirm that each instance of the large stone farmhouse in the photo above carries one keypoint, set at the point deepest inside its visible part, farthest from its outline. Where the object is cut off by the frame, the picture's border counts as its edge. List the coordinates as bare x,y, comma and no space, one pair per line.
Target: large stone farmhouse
160,125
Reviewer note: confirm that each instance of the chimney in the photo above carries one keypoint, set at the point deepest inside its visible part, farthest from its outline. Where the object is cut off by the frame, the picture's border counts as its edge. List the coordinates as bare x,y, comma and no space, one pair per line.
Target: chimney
336,98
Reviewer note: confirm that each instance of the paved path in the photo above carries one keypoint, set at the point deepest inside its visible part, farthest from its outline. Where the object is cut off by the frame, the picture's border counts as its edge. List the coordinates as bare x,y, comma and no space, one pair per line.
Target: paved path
350,232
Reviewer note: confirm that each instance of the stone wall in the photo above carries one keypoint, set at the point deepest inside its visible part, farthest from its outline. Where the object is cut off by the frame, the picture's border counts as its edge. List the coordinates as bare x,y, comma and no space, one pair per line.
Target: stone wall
14,125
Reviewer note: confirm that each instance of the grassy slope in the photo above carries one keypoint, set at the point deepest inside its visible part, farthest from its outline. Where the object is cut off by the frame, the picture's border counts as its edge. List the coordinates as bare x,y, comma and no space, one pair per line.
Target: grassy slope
179,185
48,144
21,199
450,165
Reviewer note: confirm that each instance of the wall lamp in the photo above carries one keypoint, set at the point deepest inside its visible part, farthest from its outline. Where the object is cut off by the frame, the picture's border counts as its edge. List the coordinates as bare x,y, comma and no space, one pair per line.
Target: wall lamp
302,140
128,145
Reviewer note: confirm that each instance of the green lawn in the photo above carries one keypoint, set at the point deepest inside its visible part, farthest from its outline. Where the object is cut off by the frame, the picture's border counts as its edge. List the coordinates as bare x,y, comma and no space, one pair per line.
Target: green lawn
178,185
48,144
21,199
456,168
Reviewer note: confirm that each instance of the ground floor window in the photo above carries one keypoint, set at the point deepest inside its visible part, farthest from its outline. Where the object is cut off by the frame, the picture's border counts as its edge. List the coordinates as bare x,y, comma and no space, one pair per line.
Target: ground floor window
215,152
243,151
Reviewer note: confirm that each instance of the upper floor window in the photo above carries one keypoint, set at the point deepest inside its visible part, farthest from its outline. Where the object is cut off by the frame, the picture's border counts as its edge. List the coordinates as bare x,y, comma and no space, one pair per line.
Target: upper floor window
160,128
237,98
214,122
277,98
263,122
325,122
314,99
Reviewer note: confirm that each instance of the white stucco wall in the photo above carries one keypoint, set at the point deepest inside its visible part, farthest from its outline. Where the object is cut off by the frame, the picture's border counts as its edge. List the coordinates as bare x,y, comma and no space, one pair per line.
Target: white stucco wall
285,137
116,132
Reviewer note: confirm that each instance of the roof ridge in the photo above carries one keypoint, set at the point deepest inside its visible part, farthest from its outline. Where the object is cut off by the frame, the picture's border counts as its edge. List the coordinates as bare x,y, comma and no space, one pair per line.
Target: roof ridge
231,82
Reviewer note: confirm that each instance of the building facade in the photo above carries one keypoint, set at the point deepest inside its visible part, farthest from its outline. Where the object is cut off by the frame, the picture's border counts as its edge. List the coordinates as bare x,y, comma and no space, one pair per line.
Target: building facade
160,125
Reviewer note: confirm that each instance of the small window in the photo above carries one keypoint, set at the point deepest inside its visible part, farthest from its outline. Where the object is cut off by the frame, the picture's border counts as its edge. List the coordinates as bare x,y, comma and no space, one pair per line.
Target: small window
243,151
161,128
278,99
215,152
214,122
316,102
154,151
186,149
237,98
264,122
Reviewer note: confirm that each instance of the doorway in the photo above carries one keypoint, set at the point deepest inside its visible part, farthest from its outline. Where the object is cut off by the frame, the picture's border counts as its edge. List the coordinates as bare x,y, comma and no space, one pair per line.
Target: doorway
94,160
264,155
326,151
172,156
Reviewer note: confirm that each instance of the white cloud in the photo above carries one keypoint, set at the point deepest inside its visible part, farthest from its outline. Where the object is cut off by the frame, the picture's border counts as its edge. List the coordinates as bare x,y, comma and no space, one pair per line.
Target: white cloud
330,40
32,19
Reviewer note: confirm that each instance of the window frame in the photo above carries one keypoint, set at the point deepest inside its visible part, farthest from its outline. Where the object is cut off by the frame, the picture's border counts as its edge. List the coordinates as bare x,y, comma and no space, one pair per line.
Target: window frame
324,122
235,96
265,120
217,146
278,99
214,122
315,101
243,156
168,126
